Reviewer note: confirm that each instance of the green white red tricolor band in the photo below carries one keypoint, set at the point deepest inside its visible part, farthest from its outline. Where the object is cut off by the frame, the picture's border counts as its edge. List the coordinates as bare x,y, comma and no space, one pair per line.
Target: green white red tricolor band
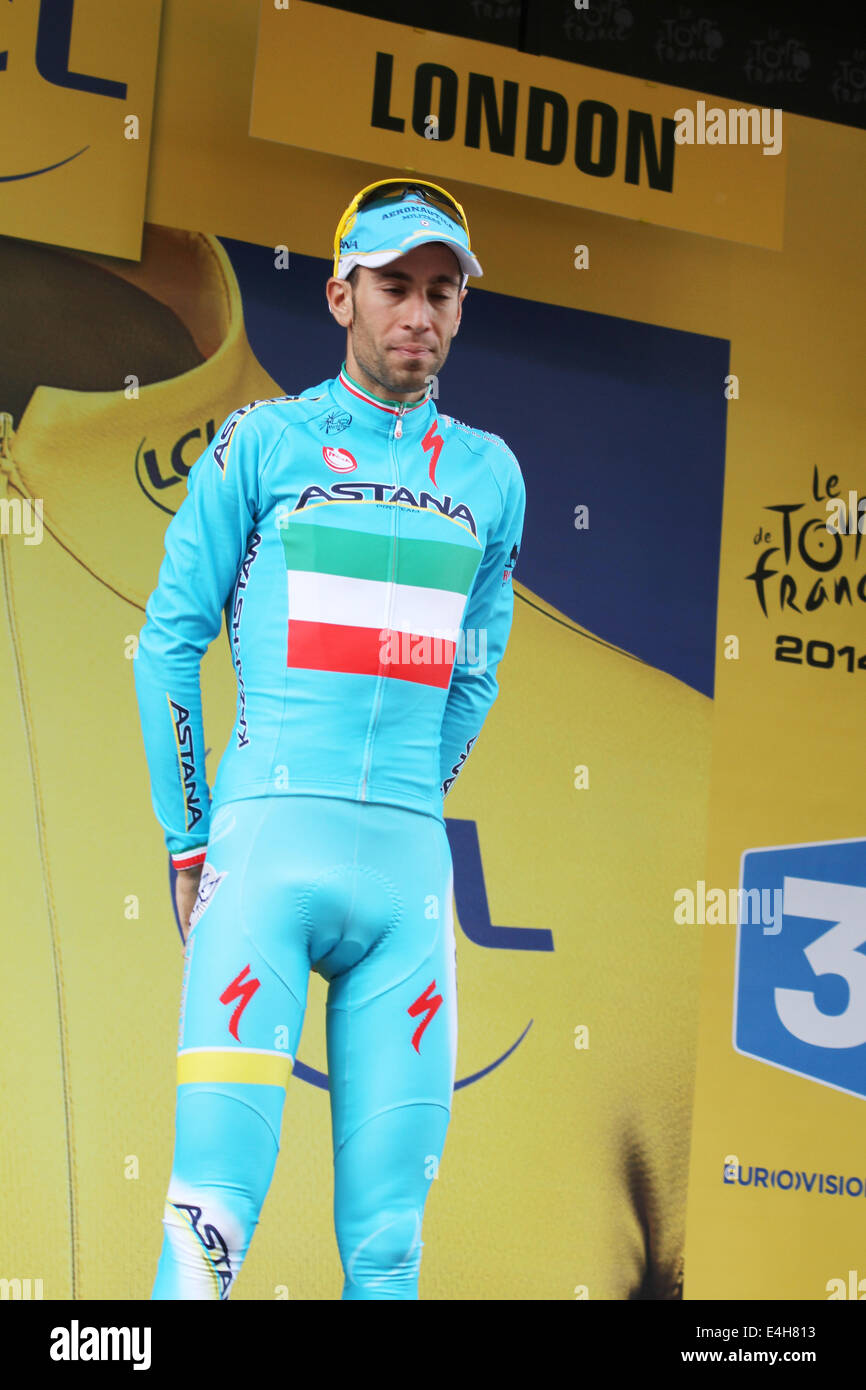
189,858
390,408
367,604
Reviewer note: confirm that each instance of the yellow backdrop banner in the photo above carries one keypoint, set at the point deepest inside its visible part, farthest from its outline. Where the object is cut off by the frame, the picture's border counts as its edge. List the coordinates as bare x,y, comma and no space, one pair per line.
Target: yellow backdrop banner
566,1169
76,99
344,84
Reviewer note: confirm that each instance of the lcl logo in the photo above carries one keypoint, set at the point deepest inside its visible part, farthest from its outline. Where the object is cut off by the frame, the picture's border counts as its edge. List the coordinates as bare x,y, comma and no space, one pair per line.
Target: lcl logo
156,474
51,56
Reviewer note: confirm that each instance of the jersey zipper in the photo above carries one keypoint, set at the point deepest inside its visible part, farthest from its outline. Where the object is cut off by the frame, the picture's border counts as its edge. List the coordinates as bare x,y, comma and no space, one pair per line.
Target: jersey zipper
396,433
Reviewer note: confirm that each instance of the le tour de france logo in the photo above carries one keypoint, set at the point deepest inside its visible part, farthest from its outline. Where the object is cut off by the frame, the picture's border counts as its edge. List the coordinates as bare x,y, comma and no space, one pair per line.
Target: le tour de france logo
810,561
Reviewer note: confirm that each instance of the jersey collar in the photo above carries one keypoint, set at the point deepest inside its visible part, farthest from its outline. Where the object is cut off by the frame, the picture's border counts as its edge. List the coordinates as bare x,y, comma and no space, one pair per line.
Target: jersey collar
385,416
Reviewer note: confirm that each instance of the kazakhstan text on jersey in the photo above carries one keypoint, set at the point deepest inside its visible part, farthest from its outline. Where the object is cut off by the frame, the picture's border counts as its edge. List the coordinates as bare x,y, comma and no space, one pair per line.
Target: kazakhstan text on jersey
361,552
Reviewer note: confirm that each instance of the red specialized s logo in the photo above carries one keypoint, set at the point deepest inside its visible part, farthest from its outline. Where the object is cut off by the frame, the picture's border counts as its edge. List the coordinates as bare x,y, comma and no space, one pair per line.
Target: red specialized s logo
239,989
434,442
427,1004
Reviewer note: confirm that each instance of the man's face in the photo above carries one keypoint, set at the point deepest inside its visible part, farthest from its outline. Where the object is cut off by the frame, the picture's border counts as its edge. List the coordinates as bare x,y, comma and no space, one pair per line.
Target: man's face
401,318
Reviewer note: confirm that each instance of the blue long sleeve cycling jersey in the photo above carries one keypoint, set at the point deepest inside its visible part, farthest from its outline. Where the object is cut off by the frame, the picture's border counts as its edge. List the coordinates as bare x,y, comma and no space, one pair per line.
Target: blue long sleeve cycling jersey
361,553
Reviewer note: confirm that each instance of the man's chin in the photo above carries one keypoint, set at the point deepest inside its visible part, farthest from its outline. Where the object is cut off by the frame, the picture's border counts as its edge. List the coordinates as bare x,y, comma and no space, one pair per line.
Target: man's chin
412,373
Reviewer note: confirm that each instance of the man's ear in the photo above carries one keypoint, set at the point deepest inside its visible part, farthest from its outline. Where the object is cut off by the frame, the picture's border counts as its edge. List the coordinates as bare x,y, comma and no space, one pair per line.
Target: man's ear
340,303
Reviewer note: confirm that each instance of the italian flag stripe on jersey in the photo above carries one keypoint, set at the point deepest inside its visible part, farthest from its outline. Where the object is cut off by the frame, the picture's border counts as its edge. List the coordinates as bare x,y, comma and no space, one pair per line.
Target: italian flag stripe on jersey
362,555
375,605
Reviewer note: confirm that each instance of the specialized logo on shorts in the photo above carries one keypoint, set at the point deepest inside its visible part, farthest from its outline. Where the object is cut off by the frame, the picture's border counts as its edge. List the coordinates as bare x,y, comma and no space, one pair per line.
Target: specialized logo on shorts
208,884
510,563
335,421
339,459
433,442
186,762
243,990
213,1244
426,1004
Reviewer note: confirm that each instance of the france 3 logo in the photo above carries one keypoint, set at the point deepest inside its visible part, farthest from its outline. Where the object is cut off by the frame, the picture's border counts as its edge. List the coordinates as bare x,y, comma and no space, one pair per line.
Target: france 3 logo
800,989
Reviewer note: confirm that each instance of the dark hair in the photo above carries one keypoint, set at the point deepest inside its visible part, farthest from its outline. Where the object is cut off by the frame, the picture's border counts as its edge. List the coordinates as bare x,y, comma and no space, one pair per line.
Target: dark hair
352,277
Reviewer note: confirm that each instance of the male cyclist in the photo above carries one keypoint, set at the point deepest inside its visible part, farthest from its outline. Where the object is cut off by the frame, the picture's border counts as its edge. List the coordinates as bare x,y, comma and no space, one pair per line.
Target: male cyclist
361,547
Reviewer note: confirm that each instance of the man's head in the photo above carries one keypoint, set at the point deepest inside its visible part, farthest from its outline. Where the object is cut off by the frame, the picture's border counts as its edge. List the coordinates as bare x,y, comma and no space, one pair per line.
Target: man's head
400,319
401,261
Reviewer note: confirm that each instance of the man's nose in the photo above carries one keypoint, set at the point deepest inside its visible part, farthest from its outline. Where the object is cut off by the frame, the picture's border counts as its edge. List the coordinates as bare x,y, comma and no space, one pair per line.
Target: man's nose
418,311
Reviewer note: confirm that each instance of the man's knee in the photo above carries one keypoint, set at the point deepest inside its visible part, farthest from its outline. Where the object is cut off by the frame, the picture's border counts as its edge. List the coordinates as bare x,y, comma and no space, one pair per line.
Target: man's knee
387,1256
225,1152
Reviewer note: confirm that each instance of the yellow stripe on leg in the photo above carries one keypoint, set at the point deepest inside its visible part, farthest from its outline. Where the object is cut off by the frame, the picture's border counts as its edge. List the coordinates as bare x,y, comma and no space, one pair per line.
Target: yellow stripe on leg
259,1068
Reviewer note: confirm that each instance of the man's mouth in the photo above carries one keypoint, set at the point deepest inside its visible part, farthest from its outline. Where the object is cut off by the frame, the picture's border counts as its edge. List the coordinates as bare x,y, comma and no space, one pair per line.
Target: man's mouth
409,351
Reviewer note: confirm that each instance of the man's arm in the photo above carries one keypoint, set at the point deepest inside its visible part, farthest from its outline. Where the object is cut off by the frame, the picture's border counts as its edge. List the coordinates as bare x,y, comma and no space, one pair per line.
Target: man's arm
486,625
204,545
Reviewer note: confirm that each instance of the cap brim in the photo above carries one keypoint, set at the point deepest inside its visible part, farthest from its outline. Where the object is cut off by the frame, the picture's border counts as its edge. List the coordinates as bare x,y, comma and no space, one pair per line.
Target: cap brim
469,264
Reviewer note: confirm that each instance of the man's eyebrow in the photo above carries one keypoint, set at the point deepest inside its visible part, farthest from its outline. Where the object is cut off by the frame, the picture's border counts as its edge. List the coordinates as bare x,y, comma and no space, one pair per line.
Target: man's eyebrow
386,273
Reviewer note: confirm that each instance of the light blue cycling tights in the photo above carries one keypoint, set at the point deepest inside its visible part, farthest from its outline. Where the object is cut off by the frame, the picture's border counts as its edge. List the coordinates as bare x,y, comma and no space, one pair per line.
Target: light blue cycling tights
361,893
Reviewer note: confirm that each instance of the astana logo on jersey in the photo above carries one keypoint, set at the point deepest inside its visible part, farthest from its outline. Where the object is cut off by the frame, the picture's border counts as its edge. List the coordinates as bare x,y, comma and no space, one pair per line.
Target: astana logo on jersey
221,446
186,762
387,492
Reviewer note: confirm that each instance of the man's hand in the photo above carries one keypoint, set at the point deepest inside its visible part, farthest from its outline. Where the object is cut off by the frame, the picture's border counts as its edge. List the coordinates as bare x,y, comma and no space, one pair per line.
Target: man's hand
185,894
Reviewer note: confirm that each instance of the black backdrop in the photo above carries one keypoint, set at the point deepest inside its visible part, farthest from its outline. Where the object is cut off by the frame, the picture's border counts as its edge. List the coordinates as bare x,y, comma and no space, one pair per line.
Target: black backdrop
802,56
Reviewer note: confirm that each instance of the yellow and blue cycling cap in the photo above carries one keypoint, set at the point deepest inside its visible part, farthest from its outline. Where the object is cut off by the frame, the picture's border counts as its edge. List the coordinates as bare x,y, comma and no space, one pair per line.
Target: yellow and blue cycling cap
393,216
